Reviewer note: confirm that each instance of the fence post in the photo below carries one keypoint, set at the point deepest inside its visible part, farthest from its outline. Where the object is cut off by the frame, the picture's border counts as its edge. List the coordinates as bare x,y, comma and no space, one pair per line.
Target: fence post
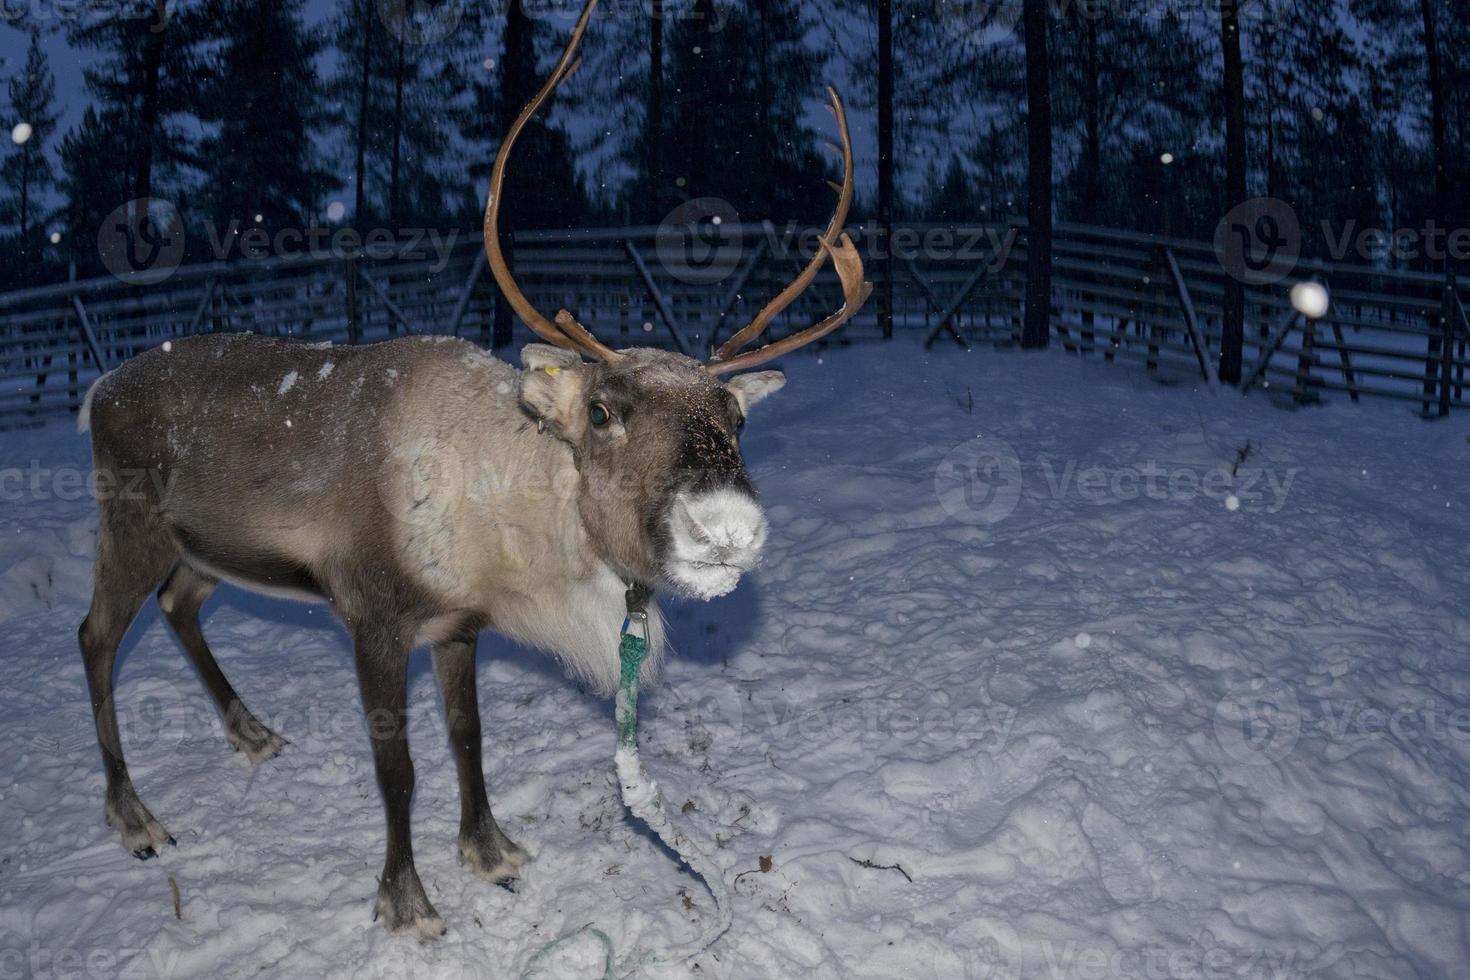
349,277
1306,359
1447,342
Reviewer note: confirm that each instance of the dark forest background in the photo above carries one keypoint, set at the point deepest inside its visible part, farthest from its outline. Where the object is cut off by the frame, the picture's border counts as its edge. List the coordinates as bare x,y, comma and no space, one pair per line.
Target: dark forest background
386,113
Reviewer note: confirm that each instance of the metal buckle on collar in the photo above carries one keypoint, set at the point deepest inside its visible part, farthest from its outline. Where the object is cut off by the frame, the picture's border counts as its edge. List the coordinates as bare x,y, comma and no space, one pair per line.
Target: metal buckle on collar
636,599
637,621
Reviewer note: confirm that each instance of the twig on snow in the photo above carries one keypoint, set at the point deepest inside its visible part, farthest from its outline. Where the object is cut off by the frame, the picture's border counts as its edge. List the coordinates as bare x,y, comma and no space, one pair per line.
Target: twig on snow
882,867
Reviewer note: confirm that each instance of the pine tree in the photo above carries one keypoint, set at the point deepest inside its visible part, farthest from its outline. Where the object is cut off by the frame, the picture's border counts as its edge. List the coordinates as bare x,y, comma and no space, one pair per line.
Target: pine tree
91,184
1232,325
1423,46
1036,325
739,79
1313,149
26,170
541,185
261,94
388,97
146,80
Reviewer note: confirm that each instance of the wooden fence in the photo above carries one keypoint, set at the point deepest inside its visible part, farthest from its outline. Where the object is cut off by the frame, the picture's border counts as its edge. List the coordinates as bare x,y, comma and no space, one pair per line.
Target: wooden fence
1118,296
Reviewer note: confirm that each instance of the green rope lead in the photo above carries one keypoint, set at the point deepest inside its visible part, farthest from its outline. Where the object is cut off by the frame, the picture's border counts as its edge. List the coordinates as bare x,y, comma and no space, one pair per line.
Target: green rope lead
631,651
642,798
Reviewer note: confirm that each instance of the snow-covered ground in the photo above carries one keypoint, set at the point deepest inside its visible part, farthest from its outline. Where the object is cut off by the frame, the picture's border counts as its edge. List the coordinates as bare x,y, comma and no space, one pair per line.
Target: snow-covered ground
1029,686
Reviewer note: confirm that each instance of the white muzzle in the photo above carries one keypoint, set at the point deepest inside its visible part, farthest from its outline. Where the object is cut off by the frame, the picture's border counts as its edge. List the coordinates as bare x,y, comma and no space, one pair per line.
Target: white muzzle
714,537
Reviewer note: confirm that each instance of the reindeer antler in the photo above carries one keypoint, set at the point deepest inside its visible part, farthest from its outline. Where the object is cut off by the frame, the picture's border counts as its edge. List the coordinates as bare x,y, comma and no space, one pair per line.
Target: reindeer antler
566,331
845,259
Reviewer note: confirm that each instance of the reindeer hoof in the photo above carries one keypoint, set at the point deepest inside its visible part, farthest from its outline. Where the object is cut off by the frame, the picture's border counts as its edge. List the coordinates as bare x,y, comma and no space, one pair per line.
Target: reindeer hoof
141,833
492,855
403,907
258,743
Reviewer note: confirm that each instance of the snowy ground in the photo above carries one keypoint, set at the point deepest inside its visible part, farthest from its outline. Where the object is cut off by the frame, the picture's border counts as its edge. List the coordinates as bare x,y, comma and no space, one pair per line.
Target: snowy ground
1029,686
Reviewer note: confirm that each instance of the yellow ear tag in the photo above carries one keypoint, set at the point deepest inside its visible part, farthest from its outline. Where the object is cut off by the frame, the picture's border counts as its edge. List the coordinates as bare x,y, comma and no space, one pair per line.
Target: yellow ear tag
553,371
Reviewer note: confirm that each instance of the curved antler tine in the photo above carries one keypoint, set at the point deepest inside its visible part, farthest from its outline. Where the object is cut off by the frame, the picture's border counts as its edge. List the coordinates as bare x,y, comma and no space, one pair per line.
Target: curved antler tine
799,285
566,332
583,338
855,292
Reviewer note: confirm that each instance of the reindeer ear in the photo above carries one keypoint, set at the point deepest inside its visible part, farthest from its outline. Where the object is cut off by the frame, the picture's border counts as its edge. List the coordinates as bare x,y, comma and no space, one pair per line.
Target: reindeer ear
551,386
751,388
540,356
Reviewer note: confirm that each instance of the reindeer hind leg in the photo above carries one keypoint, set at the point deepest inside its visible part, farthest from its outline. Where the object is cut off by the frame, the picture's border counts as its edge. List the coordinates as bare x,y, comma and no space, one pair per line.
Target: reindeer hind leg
133,555
181,598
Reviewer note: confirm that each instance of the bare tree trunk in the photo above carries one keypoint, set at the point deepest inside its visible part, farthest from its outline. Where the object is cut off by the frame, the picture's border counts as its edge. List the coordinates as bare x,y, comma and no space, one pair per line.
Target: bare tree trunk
1232,327
1437,114
766,163
655,110
148,112
1092,148
365,11
395,166
25,196
885,163
1036,327
1268,57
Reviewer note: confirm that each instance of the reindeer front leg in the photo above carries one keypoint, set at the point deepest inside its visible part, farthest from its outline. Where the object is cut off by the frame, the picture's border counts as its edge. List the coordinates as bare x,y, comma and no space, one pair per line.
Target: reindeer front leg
482,844
382,652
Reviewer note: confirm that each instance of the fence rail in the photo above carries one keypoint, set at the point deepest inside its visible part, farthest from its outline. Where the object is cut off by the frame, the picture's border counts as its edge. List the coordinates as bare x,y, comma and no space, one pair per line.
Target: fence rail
1119,295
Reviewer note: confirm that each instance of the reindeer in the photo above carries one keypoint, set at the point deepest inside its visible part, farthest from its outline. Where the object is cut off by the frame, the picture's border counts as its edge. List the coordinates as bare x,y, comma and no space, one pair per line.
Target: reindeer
427,491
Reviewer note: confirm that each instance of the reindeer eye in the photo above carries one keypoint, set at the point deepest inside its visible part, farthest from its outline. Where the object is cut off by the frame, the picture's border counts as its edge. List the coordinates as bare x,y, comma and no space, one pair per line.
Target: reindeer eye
599,414
740,424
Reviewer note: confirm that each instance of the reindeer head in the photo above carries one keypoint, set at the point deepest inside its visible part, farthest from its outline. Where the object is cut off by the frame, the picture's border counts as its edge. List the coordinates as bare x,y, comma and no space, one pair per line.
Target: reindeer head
655,435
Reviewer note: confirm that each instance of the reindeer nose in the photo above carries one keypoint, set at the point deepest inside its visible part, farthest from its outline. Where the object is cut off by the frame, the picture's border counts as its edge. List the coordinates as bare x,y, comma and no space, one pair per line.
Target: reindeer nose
714,536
